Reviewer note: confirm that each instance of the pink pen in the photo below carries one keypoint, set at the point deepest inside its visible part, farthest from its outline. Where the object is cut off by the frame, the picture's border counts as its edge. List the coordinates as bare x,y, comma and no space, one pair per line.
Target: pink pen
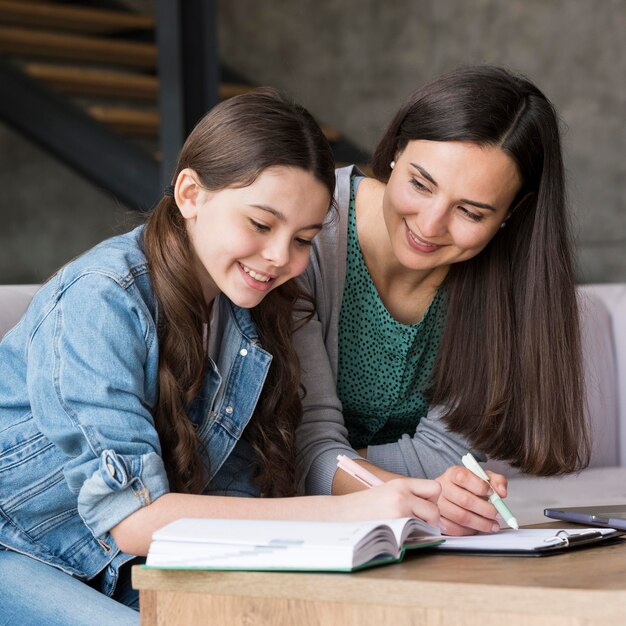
355,470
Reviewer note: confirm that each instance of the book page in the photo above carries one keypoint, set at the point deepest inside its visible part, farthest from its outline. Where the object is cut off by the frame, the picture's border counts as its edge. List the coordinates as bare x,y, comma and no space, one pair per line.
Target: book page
271,532
272,544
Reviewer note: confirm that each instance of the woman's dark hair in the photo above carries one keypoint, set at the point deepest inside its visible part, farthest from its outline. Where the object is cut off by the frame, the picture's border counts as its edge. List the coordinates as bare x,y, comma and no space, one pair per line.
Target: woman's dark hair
231,146
509,367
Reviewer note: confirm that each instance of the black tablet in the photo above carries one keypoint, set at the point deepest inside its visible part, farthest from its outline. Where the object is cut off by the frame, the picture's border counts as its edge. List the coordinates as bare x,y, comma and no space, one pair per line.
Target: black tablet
613,516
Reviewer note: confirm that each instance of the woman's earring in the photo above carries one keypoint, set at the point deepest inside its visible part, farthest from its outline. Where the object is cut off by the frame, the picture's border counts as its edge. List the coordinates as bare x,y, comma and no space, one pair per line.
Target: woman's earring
503,225
392,164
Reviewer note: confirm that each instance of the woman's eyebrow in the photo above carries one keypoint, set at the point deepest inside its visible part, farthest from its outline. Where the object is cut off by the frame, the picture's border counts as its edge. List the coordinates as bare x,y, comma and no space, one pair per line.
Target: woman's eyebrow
428,177
425,174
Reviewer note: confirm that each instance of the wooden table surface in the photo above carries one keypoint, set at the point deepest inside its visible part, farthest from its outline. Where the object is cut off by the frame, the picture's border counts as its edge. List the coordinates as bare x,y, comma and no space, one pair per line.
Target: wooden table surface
577,588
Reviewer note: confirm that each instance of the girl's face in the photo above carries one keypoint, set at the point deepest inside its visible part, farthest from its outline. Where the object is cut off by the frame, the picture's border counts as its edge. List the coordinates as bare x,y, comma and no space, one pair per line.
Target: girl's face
445,201
248,240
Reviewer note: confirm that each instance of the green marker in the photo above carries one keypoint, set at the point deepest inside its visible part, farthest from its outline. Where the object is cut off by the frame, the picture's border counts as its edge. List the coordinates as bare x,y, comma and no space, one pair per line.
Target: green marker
472,465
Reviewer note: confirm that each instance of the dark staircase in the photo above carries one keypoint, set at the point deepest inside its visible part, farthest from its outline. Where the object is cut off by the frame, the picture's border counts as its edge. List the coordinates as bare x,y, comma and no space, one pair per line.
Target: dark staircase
112,94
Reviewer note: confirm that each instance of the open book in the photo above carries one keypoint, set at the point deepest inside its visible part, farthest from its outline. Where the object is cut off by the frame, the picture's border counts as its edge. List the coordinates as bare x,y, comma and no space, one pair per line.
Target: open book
286,545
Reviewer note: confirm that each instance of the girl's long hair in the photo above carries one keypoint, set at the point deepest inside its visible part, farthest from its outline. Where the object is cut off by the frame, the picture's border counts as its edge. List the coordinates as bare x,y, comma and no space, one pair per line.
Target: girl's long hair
509,367
231,146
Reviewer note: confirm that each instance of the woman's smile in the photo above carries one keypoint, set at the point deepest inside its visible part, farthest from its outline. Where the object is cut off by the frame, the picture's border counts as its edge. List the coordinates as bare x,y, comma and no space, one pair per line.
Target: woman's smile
418,243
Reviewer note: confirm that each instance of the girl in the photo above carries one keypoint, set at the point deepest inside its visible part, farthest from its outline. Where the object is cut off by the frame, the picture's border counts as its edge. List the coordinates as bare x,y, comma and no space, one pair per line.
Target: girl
155,375
445,297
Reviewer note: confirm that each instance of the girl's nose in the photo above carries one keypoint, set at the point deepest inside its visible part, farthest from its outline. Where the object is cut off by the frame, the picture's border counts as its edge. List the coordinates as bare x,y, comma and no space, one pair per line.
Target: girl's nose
277,253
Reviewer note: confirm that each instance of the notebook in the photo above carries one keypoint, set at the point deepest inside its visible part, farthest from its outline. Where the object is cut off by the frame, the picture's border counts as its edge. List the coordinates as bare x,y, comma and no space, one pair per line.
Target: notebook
286,545
613,516
529,541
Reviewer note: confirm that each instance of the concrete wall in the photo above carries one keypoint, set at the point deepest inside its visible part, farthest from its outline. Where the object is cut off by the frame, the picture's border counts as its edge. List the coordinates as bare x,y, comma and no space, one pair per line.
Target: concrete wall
48,213
352,63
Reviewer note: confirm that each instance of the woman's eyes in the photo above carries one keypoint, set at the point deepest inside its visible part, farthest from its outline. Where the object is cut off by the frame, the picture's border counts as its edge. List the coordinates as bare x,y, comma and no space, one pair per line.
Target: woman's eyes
475,217
416,183
264,228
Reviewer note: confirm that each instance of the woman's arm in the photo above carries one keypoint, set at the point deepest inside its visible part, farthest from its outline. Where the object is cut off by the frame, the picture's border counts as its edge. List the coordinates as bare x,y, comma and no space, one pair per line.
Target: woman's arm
406,497
433,452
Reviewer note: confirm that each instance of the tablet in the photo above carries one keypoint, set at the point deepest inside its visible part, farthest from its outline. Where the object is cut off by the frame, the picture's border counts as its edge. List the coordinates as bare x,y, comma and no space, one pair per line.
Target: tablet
613,516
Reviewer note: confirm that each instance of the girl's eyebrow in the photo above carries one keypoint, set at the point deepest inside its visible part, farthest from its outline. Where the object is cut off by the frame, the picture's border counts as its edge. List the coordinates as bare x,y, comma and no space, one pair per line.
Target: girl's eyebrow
281,216
428,177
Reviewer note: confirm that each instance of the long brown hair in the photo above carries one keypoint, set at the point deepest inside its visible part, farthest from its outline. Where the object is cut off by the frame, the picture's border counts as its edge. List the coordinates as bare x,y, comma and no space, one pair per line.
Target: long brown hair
509,366
231,146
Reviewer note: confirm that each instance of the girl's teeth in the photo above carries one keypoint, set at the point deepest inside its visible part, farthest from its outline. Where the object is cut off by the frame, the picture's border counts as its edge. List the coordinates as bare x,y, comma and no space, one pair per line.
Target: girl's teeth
259,277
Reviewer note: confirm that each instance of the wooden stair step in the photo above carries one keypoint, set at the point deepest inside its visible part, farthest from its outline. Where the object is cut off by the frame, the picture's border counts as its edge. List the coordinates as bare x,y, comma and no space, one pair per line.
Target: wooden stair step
145,122
137,122
88,81
332,134
228,90
71,17
78,48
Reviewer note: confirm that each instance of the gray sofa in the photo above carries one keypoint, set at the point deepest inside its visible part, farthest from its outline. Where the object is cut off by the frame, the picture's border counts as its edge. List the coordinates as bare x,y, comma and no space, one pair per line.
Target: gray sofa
603,310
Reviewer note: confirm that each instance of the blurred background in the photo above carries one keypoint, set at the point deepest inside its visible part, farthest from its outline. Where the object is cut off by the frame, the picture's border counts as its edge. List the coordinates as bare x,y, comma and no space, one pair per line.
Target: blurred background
97,97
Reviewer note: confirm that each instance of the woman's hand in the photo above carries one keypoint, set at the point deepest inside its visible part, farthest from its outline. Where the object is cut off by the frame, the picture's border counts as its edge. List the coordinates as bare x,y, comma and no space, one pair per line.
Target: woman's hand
463,502
400,497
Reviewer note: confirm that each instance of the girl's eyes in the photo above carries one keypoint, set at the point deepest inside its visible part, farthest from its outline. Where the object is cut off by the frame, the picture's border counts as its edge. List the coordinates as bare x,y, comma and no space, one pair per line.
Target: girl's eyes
304,242
264,228
475,217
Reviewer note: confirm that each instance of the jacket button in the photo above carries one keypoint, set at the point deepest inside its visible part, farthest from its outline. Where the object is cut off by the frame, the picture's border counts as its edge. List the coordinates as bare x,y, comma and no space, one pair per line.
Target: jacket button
243,352
229,409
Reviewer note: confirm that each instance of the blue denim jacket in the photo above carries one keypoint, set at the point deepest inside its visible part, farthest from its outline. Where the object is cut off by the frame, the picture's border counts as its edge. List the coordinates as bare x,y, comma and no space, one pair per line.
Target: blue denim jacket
78,381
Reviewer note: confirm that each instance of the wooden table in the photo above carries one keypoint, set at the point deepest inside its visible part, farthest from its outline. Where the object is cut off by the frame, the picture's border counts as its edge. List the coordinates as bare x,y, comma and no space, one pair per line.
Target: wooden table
579,588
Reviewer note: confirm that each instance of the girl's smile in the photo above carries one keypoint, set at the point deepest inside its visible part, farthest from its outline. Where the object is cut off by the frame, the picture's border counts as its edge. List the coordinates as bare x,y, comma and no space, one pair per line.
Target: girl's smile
249,240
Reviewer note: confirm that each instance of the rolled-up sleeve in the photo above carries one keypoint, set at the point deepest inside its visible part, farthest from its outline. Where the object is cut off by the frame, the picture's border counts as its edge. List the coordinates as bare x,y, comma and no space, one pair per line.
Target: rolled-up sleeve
92,367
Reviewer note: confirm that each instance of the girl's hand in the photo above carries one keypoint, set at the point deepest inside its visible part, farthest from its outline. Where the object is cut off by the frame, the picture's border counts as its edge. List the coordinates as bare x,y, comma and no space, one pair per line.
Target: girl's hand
463,503
400,497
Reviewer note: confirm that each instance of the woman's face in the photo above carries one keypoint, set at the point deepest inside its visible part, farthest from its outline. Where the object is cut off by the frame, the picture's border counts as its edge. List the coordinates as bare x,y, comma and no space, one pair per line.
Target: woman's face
445,200
249,240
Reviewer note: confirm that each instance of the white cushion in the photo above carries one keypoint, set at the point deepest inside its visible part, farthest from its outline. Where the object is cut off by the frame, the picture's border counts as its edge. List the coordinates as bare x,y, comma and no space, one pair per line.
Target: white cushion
14,300
614,298
600,371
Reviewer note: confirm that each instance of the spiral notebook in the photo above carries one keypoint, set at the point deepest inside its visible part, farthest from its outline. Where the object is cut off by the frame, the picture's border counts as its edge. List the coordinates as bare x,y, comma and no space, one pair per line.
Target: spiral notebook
529,541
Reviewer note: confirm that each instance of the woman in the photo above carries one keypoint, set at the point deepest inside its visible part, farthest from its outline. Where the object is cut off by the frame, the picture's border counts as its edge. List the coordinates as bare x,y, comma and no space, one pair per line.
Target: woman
447,316
154,377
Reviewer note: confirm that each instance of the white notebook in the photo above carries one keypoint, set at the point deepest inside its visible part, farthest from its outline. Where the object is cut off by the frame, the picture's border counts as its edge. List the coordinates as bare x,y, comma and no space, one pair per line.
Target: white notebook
529,541
286,545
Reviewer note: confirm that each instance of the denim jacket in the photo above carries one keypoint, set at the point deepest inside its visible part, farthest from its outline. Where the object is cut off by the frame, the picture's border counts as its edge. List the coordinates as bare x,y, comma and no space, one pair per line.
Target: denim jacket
79,451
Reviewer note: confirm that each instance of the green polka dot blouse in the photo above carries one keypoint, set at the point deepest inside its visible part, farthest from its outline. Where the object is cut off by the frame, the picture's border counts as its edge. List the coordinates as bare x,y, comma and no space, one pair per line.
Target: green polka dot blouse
384,366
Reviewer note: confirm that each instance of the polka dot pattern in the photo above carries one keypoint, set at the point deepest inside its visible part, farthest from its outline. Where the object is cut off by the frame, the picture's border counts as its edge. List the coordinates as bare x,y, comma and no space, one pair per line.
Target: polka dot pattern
384,366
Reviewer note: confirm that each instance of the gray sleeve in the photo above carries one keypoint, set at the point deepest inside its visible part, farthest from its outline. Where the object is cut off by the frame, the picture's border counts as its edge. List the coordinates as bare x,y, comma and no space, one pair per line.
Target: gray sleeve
322,434
431,450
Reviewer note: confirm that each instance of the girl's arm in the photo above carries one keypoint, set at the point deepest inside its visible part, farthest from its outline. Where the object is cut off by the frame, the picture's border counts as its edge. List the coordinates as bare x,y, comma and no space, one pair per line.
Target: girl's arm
462,504
405,497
